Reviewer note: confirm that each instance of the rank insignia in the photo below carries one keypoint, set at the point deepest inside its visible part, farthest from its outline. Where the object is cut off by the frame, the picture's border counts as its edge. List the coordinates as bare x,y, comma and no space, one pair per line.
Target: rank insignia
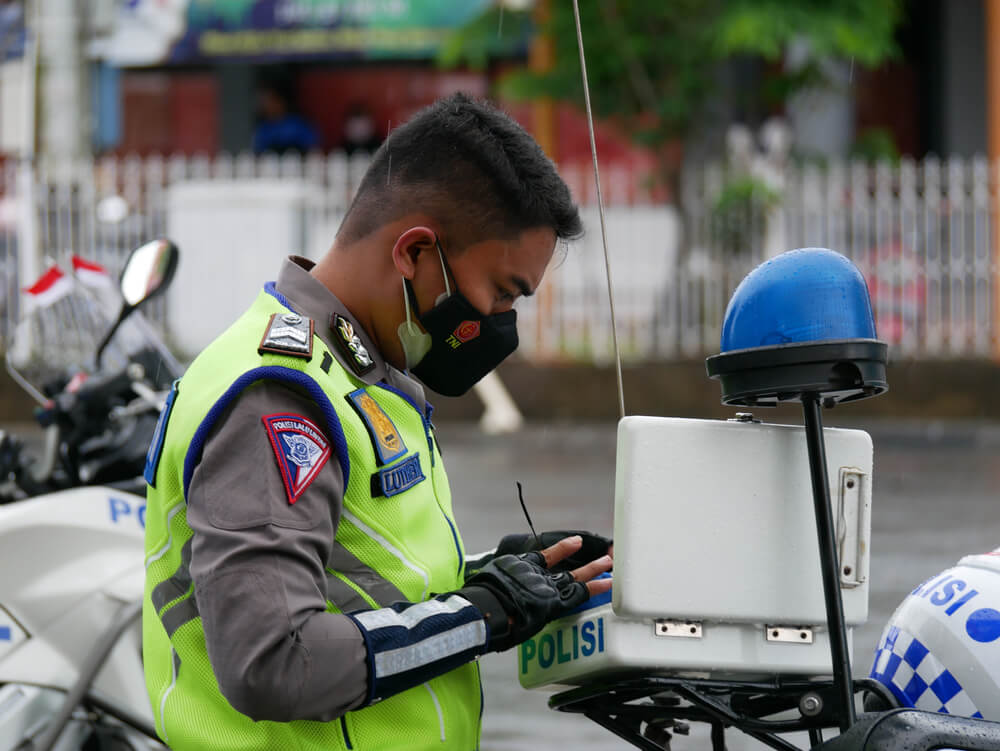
388,443
393,480
300,448
288,334
350,345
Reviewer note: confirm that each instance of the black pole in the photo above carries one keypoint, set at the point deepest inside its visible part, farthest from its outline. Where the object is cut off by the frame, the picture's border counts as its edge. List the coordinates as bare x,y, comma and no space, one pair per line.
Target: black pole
122,315
828,559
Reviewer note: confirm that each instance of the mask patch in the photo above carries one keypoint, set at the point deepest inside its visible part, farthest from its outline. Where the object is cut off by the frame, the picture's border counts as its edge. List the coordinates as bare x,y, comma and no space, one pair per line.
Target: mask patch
393,480
464,332
300,448
388,443
288,334
350,345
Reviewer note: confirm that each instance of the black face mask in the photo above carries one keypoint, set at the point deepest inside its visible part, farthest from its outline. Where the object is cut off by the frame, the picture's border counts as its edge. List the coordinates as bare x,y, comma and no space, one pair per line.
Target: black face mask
465,345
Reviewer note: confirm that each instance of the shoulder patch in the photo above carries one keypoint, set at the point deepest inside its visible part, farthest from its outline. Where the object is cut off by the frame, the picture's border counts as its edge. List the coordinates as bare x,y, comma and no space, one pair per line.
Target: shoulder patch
288,334
300,448
386,439
350,345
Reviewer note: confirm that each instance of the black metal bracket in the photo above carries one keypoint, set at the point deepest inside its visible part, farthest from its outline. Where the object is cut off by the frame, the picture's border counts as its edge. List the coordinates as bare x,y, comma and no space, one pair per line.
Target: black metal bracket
642,710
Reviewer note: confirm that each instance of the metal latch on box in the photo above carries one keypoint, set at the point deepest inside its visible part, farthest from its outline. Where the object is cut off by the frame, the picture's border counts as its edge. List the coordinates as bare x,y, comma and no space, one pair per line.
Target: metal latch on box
683,629
790,634
852,515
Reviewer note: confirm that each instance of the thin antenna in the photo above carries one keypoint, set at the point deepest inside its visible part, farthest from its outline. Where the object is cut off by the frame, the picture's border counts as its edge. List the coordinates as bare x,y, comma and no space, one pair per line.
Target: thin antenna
520,497
600,209
388,171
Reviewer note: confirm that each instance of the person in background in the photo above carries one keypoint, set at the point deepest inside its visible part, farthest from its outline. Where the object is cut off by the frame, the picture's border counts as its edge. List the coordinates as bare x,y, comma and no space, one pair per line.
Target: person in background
360,132
279,130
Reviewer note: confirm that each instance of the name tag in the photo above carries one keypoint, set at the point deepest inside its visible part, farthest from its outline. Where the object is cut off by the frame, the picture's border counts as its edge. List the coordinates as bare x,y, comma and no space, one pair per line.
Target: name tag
396,478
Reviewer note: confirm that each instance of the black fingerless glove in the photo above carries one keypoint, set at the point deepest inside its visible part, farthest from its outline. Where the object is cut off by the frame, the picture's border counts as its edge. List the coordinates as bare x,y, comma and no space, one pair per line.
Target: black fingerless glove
518,596
594,546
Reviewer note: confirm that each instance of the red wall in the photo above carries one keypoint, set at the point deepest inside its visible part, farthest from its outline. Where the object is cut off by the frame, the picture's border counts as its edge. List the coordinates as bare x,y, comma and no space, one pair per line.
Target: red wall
166,113
178,112
194,113
394,93
390,94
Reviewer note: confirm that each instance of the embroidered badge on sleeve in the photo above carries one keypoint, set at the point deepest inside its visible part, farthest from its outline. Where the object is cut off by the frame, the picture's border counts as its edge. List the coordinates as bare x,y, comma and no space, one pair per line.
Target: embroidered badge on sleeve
300,448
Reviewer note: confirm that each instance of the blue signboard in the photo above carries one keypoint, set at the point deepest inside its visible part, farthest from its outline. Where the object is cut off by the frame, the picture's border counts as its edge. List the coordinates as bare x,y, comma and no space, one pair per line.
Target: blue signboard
157,32
12,33
320,29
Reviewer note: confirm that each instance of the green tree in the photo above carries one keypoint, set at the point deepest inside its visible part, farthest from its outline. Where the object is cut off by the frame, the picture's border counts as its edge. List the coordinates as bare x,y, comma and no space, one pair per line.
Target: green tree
652,63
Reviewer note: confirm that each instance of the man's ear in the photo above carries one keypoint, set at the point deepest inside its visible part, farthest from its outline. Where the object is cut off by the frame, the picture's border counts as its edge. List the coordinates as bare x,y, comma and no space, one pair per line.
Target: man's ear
408,246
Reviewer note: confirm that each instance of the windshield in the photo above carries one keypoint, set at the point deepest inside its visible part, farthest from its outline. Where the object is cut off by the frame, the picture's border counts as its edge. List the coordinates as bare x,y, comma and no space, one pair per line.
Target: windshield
64,321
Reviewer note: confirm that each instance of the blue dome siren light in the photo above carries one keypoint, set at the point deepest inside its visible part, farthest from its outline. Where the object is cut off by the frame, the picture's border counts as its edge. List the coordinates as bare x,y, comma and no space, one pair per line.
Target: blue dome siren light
800,323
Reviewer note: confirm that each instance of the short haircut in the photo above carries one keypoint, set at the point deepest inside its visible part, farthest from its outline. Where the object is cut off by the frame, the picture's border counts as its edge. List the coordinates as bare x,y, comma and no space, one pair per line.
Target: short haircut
469,166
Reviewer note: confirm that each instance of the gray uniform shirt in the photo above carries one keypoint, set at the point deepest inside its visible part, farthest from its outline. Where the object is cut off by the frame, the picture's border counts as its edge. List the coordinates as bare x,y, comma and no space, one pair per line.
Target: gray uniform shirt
258,561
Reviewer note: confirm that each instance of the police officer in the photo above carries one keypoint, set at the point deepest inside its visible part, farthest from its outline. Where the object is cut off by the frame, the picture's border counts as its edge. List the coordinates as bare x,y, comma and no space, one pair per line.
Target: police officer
306,582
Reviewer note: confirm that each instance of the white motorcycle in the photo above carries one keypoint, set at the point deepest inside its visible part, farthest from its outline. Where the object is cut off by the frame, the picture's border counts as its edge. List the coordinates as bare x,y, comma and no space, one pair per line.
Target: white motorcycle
71,582
70,653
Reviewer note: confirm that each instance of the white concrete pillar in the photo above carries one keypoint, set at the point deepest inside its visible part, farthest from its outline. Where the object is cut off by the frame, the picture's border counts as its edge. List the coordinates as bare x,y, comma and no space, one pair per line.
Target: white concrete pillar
63,102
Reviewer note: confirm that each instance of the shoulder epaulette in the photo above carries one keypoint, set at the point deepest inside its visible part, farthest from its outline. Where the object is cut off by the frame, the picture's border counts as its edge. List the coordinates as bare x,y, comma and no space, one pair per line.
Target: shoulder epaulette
288,334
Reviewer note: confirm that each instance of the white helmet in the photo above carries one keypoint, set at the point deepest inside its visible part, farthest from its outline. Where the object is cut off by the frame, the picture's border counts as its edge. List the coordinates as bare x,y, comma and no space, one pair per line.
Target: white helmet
940,651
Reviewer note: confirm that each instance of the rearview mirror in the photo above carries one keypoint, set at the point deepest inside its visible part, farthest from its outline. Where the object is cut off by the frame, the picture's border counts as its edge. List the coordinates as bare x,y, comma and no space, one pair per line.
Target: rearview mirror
148,271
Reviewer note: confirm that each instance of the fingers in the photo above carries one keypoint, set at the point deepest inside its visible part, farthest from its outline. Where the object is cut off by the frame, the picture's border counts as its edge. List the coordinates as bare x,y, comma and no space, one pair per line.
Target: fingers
592,569
562,549
586,573
598,586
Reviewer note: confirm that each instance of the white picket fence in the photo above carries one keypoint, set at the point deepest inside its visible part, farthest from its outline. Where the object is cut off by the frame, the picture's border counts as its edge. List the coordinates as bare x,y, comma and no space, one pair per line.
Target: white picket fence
922,233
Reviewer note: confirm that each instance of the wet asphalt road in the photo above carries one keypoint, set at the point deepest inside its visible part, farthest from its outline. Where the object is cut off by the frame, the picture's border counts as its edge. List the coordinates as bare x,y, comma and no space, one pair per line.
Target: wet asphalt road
936,492
935,499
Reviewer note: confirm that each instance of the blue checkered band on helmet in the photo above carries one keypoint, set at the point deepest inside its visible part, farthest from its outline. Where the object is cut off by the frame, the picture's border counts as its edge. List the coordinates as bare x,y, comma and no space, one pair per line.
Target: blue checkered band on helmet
916,678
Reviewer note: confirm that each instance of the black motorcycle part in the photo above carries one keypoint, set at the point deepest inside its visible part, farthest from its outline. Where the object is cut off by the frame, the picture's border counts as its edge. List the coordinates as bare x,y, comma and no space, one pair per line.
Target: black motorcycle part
841,371
914,730
628,704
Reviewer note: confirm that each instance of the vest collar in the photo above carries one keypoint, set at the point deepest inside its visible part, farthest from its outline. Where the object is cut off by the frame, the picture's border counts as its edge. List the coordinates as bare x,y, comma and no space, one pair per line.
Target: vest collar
308,296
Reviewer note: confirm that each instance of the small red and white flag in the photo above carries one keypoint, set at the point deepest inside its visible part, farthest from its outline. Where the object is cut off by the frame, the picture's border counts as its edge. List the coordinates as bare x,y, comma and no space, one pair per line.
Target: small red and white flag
53,285
91,274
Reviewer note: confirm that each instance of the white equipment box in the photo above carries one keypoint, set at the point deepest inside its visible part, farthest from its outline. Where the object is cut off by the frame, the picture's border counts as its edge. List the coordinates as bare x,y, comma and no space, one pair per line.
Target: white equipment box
717,569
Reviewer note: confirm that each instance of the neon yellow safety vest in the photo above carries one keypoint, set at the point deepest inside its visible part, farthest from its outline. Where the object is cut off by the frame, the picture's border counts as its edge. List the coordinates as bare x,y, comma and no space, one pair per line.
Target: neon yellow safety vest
410,539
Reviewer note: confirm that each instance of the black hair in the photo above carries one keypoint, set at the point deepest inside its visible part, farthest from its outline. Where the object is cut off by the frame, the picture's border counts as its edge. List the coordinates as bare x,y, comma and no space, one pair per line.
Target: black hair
472,168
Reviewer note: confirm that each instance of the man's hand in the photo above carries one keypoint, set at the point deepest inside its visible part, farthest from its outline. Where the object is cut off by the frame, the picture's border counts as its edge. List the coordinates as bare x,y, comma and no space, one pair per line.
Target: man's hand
592,546
529,591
